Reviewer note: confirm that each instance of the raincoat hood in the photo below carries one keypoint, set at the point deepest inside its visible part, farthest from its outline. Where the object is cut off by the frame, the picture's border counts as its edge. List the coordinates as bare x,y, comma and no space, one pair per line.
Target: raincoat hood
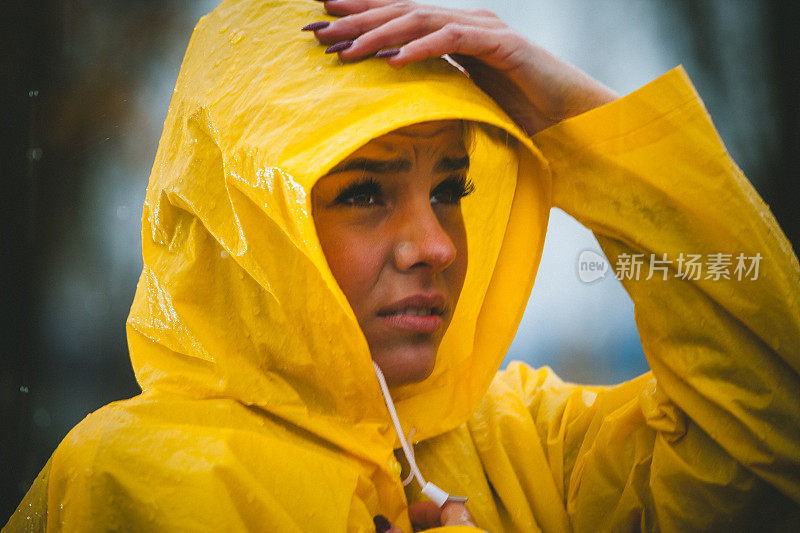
236,299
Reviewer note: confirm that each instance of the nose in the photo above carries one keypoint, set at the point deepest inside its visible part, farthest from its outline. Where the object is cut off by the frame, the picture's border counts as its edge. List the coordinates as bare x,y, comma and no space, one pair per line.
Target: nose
422,241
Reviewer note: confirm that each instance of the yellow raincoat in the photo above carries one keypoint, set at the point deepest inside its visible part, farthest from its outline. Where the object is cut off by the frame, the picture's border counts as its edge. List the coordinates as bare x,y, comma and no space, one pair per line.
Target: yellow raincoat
260,409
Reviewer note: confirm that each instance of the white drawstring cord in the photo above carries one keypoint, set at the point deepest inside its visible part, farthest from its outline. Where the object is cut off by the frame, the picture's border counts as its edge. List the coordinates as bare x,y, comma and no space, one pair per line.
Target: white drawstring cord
410,476
434,493
409,453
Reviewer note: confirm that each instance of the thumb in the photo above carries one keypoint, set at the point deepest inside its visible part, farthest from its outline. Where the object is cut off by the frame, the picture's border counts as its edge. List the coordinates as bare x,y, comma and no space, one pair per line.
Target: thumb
424,515
456,514
427,514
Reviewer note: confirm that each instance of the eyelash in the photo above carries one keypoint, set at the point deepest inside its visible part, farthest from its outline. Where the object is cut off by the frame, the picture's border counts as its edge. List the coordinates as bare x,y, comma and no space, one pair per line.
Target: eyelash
458,186
364,187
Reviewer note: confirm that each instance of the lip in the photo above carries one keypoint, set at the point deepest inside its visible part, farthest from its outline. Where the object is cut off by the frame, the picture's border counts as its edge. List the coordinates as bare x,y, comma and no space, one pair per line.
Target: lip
419,324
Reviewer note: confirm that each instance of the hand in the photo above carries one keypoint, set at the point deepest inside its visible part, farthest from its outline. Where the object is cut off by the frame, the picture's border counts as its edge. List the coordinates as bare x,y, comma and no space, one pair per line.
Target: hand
425,515
534,87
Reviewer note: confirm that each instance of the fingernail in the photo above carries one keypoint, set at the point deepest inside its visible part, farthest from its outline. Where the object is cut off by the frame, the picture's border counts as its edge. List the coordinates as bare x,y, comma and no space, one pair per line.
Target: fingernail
314,26
382,524
338,47
388,53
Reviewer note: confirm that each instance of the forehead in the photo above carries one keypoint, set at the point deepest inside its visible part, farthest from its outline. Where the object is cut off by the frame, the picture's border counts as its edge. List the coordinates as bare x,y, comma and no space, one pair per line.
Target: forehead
443,135
428,129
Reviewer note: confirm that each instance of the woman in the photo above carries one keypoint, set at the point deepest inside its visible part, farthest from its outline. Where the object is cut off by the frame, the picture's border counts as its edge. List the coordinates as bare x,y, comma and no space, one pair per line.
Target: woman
308,216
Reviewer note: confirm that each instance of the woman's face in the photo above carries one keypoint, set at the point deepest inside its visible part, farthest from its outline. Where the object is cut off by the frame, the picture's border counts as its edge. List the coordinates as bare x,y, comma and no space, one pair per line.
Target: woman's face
389,222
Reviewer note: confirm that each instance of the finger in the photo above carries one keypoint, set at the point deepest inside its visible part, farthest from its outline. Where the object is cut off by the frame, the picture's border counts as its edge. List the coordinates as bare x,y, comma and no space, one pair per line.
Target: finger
456,514
341,8
424,514
382,524
395,31
396,23
352,26
489,45
401,29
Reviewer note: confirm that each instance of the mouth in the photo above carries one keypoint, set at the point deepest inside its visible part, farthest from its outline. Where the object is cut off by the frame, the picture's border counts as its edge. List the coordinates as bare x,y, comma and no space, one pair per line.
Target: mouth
420,313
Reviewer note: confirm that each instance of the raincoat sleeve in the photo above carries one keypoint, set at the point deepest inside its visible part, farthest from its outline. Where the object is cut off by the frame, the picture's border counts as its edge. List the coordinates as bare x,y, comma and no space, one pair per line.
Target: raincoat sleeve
712,435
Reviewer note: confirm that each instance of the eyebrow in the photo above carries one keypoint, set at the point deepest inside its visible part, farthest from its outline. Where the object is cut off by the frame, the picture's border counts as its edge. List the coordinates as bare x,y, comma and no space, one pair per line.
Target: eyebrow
449,164
379,166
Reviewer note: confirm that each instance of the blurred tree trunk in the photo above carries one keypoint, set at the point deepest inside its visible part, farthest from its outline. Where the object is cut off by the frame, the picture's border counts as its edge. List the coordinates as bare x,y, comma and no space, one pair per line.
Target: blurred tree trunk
782,189
775,53
28,44
70,70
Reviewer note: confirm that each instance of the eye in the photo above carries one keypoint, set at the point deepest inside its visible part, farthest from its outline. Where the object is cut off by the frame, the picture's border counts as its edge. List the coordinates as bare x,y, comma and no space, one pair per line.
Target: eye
363,193
452,190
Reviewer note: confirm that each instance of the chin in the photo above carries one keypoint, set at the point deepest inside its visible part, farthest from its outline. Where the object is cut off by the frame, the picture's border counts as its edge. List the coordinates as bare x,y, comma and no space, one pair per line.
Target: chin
409,364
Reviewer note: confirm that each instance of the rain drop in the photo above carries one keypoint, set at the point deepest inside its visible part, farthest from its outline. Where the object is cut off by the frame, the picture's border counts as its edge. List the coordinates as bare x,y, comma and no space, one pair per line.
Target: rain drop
35,153
236,37
122,212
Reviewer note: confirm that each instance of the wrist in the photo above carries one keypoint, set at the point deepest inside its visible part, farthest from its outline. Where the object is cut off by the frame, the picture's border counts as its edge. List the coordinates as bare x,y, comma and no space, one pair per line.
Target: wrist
557,89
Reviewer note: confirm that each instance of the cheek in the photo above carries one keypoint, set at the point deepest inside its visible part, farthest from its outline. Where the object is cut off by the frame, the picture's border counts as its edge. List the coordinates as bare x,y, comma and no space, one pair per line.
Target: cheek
355,261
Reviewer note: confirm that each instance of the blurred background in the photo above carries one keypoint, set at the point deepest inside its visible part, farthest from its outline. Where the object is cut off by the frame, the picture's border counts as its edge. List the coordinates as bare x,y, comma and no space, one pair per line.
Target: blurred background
85,90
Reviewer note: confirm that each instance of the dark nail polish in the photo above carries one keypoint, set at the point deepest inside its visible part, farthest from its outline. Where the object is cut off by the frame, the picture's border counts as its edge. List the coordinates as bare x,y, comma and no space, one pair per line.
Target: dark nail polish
314,26
388,53
338,47
382,524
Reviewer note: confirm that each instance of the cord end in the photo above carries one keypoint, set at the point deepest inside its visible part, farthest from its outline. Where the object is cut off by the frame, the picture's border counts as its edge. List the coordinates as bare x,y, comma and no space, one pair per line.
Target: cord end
435,494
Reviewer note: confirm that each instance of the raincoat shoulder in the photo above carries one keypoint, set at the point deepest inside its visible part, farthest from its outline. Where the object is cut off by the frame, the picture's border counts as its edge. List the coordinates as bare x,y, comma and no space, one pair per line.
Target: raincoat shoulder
172,464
